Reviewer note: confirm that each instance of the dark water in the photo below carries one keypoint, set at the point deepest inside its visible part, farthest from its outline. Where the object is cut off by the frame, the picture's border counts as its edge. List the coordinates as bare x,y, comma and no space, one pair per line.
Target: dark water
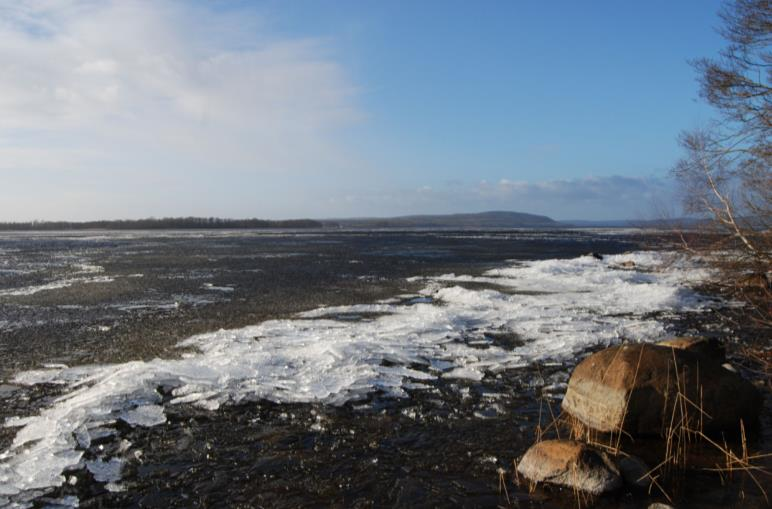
166,286
116,297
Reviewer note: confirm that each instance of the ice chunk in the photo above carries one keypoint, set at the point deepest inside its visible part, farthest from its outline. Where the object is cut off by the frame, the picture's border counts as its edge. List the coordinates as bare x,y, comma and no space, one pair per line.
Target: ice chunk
105,471
213,288
465,373
146,415
65,502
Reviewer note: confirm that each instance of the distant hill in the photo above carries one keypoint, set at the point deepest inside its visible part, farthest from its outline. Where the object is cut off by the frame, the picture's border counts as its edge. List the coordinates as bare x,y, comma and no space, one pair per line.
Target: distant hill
495,219
167,223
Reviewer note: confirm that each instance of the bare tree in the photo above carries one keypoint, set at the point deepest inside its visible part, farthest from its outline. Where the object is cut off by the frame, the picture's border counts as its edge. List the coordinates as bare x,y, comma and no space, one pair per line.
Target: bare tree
725,174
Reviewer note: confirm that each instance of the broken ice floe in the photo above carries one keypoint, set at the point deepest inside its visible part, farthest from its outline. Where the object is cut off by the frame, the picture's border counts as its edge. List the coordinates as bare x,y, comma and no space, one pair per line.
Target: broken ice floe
54,285
105,471
316,358
213,288
145,415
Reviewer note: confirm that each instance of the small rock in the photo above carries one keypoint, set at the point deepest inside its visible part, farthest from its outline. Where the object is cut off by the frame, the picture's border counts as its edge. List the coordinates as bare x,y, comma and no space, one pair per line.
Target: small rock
595,255
627,264
571,464
710,347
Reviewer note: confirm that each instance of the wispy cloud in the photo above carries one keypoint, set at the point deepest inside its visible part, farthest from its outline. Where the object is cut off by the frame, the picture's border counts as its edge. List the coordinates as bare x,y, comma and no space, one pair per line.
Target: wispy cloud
125,93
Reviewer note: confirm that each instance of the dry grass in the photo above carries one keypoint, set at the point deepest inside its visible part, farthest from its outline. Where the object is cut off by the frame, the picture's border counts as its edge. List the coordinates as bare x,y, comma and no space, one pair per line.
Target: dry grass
744,463
685,429
580,497
503,484
757,361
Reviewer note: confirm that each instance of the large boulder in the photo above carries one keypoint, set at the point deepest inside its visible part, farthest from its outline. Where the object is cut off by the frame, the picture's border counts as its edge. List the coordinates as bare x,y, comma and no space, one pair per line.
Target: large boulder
638,387
571,464
709,347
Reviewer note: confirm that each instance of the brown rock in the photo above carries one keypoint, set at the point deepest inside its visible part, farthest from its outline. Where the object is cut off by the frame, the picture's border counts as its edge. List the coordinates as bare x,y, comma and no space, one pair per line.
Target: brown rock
633,387
709,347
571,464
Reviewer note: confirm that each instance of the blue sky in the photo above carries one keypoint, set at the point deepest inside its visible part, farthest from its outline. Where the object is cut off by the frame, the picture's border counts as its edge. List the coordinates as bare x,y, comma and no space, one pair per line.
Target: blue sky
332,109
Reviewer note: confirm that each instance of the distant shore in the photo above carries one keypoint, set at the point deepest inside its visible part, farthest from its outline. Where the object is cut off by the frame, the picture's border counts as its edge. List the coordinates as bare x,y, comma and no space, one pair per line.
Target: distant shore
496,220
171,223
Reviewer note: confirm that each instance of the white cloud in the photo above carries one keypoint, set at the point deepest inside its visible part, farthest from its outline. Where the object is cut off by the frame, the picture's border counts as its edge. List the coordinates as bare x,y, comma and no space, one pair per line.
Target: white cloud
607,197
588,189
120,91
131,108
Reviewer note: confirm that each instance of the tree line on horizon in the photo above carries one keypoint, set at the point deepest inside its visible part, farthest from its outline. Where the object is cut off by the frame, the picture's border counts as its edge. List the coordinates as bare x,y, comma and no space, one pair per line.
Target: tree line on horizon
165,223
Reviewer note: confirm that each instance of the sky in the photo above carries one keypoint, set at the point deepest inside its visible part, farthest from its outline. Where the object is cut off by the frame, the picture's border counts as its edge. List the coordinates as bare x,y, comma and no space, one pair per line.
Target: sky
325,109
